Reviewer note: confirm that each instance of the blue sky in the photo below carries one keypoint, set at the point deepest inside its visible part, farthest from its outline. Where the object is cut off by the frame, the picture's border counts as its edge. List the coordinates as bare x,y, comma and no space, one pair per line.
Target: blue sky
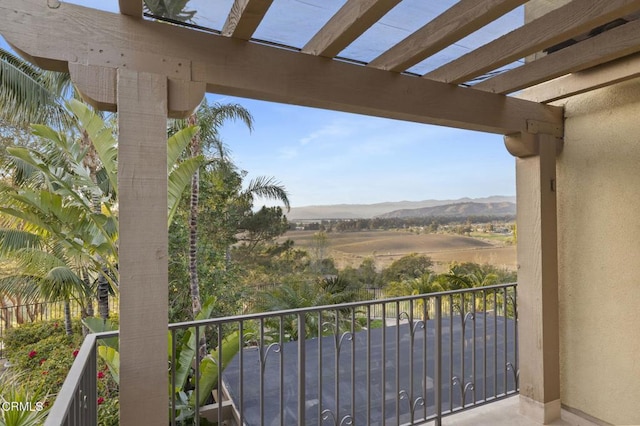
324,157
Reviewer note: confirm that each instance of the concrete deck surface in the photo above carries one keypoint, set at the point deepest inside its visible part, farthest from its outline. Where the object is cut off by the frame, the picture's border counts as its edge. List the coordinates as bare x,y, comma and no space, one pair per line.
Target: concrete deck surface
505,413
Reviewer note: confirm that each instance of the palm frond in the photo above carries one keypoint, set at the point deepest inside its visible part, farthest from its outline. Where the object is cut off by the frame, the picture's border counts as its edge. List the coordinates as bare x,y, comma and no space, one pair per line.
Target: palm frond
178,142
171,9
29,94
179,180
101,137
12,240
269,188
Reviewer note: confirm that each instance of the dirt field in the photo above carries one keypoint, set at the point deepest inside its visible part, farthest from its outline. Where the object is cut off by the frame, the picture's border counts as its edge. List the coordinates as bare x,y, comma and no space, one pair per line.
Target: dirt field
349,248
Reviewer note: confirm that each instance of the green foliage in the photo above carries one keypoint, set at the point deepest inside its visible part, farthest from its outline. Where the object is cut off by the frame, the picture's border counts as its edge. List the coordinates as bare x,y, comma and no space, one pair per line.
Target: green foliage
407,267
108,395
31,95
43,352
296,294
186,348
99,325
112,358
171,9
105,144
263,226
17,338
32,405
209,371
469,274
427,283
109,411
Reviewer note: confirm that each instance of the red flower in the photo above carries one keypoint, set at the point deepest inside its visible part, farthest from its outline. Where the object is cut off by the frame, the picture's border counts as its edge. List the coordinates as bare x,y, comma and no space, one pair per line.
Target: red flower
100,400
44,373
100,375
75,353
55,325
32,354
42,360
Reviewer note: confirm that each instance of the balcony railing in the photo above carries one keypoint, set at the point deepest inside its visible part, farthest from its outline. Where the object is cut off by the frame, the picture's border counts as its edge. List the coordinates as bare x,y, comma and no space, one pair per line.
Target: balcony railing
397,361
76,403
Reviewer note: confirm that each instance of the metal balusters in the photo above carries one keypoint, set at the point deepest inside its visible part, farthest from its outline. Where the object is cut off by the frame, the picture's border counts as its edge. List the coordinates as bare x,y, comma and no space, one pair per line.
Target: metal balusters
197,379
320,378
252,376
437,385
172,365
495,343
368,372
383,365
302,335
451,374
397,390
241,370
504,341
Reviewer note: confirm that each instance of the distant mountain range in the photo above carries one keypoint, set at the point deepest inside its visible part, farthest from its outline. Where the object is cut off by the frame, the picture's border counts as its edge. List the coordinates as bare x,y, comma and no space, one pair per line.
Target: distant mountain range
456,210
366,211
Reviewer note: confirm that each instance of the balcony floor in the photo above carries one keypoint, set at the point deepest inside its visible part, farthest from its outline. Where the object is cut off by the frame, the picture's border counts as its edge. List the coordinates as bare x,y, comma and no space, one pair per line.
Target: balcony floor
505,413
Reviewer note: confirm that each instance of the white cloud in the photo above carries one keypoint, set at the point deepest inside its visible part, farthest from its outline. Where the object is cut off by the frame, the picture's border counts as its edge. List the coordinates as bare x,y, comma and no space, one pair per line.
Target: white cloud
337,129
287,153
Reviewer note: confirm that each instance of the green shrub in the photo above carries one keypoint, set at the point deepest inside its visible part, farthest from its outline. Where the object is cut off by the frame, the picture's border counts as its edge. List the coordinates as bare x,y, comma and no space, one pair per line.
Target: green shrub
42,354
47,362
108,393
28,334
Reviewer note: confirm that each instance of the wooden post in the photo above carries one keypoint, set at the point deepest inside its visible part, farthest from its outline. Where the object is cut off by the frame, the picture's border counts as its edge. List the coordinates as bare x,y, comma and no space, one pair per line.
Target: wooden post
142,183
537,277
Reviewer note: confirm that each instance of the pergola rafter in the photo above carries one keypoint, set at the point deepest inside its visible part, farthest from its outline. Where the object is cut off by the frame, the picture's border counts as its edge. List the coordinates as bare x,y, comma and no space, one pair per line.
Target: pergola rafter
244,18
353,19
570,20
459,21
613,44
108,40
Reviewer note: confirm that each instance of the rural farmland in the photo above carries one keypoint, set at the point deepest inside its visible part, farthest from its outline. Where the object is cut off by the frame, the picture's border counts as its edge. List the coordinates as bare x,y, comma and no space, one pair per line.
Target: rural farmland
350,248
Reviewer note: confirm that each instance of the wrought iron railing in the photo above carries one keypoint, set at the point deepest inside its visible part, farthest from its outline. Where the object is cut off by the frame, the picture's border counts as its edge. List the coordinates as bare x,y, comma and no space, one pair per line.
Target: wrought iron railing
76,403
404,360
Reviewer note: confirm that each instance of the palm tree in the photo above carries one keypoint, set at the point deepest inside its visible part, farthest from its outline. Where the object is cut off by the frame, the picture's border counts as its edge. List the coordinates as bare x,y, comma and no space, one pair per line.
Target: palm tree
31,95
50,227
179,174
209,118
63,216
331,290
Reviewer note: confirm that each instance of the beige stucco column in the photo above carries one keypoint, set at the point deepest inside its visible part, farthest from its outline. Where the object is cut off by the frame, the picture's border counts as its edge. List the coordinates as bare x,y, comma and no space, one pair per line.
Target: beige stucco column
537,275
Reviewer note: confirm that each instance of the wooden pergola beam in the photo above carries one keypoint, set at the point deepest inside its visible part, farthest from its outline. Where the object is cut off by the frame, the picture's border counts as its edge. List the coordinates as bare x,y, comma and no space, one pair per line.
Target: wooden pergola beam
353,19
583,81
244,18
252,70
612,44
460,20
570,20
131,8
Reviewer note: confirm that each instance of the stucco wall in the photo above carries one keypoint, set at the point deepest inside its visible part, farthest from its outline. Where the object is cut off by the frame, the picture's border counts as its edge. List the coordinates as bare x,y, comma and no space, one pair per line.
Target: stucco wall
598,184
